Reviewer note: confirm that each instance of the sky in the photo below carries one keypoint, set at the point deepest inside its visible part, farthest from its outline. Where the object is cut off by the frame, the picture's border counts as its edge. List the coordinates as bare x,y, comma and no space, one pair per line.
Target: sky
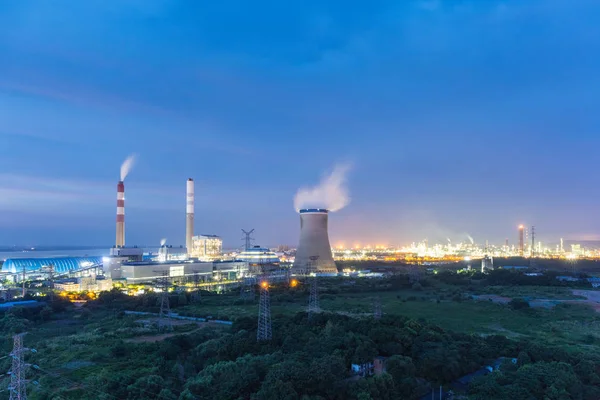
457,116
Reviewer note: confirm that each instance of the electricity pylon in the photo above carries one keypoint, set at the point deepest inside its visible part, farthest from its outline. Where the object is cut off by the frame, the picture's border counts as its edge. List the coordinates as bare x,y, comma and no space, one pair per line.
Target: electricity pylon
264,332
377,308
313,298
164,317
18,381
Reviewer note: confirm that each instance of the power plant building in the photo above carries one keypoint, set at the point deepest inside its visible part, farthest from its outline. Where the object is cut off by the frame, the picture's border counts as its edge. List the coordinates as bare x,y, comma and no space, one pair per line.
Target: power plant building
148,271
259,259
206,247
313,255
60,264
170,253
119,255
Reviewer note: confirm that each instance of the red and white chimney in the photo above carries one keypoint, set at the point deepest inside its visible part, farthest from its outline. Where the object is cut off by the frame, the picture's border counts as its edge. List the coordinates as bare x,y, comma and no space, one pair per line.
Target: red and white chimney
120,242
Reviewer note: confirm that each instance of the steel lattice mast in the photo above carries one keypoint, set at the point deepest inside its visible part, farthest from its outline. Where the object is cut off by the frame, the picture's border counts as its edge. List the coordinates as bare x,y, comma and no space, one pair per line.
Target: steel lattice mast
264,332
18,388
164,317
313,298
377,308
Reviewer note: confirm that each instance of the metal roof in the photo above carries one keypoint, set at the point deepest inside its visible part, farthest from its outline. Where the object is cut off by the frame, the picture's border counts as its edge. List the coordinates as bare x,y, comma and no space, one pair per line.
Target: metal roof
61,264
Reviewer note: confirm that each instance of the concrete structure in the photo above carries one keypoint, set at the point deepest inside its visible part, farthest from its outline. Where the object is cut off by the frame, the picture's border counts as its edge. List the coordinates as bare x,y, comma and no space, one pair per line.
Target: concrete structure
521,240
120,241
487,264
119,255
61,265
170,253
314,251
148,271
189,216
87,283
206,247
259,259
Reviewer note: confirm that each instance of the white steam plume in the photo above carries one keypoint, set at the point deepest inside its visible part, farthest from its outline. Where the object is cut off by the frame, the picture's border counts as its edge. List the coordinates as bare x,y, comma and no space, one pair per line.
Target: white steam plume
471,239
126,166
163,241
331,193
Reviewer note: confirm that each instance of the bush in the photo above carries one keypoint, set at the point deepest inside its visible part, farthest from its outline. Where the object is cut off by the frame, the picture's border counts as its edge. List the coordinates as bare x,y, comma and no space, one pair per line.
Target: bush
417,286
518,304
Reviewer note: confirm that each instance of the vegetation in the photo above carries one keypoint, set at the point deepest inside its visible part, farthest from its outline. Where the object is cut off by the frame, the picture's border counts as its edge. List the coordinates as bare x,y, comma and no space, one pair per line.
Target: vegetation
432,333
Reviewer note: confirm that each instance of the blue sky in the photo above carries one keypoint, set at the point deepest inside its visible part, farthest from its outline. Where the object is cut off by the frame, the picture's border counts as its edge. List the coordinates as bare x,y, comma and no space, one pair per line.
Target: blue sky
457,116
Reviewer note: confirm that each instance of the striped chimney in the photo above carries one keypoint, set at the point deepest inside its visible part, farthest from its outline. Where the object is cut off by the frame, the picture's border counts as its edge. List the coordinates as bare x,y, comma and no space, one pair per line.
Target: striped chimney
189,217
120,215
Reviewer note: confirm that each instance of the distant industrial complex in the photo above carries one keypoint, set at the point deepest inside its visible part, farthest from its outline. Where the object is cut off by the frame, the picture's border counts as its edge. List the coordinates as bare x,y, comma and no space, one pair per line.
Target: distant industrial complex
202,262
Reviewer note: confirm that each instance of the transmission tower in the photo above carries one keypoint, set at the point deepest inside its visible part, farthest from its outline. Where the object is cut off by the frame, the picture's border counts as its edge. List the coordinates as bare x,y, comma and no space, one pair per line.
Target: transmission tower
313,298
377,308
164,317
196,294
264,334
247,289
248,239
18,381
532,241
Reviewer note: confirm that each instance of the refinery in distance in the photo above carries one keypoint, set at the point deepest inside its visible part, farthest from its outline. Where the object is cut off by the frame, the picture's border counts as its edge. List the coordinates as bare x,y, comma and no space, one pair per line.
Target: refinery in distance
203,263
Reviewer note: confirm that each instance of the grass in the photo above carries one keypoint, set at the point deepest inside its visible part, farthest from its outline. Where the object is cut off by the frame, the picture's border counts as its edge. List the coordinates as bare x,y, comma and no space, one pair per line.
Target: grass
569,325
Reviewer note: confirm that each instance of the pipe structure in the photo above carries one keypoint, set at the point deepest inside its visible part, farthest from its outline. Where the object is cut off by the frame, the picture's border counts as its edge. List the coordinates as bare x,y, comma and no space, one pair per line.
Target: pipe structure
189,216
120,242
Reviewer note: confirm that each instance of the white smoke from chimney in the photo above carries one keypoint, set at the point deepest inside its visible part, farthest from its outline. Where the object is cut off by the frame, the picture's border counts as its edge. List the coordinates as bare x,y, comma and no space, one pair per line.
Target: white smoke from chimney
471,239
126,166
163,241
331,193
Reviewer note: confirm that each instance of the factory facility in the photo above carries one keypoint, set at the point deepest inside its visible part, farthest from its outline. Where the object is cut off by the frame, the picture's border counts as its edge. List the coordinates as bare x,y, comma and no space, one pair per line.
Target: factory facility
313,255
183,271
259,260
206,247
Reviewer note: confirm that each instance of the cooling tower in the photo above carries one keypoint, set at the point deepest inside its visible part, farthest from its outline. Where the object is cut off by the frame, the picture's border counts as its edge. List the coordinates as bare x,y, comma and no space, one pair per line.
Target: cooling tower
314,251
120,242
189,216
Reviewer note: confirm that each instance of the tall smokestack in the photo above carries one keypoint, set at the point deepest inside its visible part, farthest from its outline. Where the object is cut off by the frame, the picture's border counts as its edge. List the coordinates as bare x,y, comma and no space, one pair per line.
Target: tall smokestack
314,251
521,240
189,218
120,242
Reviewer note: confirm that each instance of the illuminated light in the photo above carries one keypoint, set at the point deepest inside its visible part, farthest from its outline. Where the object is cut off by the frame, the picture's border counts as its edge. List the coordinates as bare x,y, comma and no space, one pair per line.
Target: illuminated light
467,258
294,283
264,284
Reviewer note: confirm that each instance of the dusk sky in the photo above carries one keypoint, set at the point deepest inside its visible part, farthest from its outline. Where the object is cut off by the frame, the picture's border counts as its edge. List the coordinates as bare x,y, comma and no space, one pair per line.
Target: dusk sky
458,117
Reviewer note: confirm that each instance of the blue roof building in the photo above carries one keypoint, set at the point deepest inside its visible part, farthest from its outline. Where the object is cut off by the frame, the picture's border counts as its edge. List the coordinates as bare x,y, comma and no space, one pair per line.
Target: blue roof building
61,264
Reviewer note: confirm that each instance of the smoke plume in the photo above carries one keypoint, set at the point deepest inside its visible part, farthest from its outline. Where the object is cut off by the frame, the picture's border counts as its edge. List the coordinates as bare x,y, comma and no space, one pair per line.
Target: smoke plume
126,166
331,193
163,241
471,239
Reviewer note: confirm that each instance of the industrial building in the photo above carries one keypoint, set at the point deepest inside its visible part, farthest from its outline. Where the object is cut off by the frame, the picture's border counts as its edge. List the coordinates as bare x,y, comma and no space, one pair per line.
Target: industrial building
88,283
148,271
55,265
259,259
170,253
313,255
118,256
206,247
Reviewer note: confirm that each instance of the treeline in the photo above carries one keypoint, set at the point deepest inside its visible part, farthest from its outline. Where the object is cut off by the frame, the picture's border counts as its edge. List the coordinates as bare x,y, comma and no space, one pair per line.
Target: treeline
311,360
